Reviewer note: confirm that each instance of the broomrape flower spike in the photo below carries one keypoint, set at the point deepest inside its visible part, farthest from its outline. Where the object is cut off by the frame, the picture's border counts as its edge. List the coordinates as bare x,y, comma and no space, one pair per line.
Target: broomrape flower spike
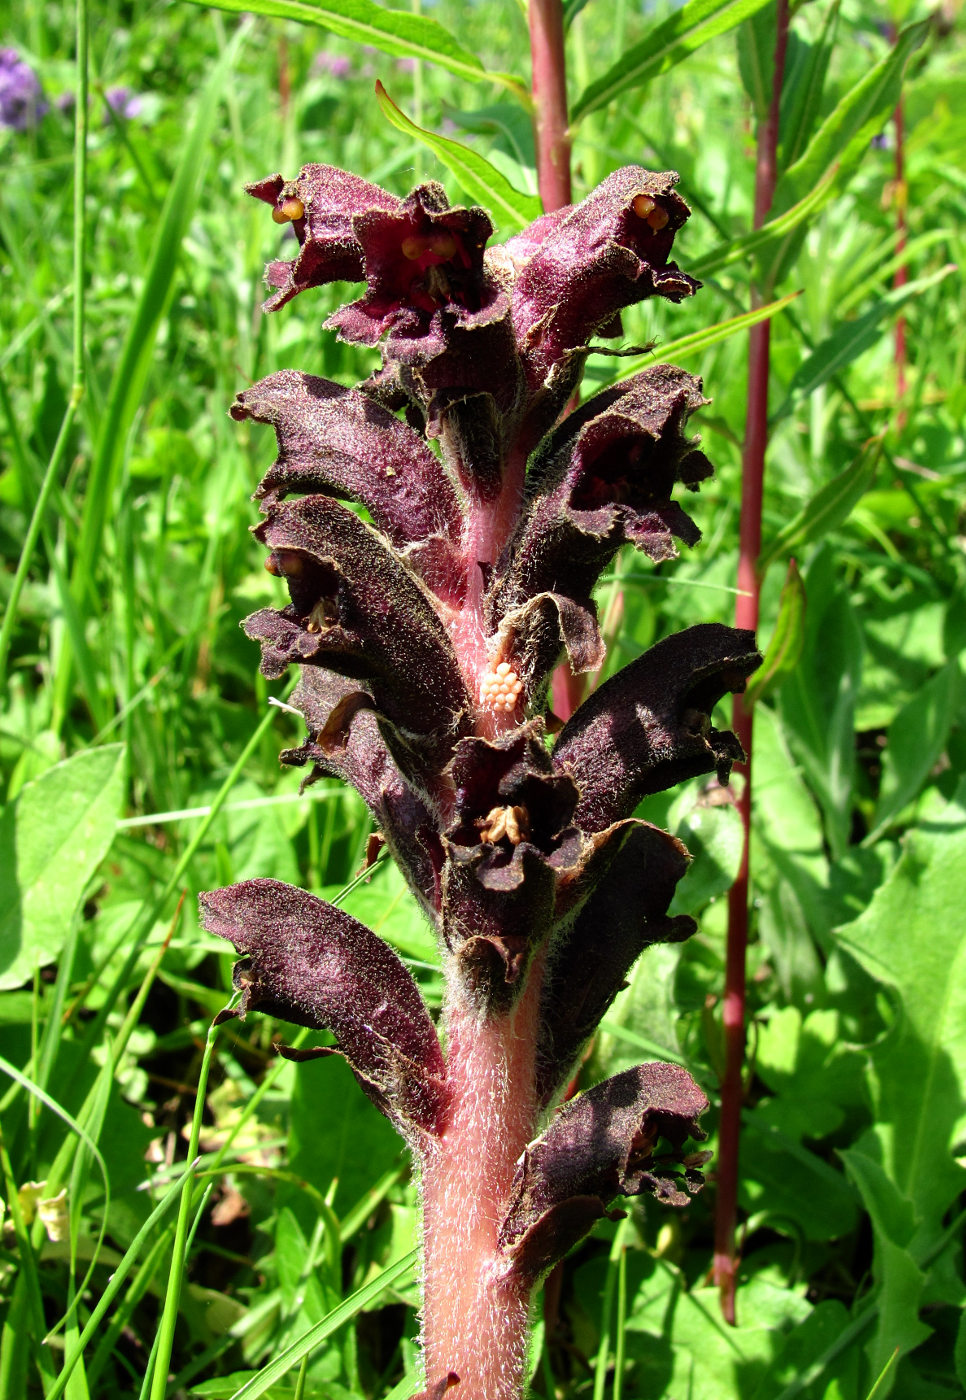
425,635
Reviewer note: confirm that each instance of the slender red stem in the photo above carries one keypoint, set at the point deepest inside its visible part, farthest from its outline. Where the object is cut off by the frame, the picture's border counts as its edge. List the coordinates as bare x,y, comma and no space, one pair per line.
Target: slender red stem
746,615
550,124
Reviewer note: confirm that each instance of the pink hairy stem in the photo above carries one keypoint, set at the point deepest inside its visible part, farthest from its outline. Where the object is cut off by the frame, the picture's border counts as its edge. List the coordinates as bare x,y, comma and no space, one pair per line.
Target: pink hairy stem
476,1312
746,615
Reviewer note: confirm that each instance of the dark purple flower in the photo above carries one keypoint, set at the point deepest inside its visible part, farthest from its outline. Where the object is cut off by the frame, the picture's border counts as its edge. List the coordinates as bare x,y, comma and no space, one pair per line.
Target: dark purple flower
440,530
22,102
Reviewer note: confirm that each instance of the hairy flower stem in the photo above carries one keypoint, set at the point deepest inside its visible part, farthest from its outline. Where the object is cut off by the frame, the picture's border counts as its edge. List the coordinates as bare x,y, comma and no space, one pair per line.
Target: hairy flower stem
746,615
475,1311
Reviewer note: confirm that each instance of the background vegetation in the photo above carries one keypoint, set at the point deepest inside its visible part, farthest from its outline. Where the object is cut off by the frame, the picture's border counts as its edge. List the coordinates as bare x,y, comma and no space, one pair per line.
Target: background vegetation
139,750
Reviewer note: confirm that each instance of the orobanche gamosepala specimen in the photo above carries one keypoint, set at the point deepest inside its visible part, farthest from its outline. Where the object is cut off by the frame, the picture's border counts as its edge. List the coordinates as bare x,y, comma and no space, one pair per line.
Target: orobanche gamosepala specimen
425,629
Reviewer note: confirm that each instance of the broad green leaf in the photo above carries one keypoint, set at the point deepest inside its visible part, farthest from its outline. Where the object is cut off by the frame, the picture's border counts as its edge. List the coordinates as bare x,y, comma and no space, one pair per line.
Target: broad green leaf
52,839
899,1279
915,742
827,509
260,1384
714,836
850,340
787,1182
711,335
912,938
844,136
788,639
480,180
824,1327
392,31
666,45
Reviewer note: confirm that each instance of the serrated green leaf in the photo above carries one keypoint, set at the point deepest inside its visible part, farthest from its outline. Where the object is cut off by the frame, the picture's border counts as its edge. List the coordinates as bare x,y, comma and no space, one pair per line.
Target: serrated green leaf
787,641
828,508
480,180
52,839
666,45
394,32
912,938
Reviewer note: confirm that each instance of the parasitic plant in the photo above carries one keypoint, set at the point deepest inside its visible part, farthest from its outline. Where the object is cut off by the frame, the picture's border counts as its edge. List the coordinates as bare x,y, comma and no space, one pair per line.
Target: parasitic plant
425,628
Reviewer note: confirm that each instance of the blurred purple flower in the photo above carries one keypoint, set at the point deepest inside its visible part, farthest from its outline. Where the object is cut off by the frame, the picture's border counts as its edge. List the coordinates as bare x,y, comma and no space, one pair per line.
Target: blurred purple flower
406,65
337,65
22,102
124,103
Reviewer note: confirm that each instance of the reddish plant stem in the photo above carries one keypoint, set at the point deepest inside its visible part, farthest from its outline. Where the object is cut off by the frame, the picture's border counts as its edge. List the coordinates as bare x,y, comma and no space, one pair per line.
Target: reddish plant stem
550,124
746,615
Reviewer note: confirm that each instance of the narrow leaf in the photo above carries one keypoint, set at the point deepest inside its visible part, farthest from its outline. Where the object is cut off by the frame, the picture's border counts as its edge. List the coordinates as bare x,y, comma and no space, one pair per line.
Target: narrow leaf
392,31
851,339
135,361
803,98
309,1340
779,228
480,180
671,42
828,508
788,639
711,335
844,136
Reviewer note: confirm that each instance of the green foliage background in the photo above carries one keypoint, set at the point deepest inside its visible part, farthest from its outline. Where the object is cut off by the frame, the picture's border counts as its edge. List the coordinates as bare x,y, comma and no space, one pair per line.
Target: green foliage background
139,753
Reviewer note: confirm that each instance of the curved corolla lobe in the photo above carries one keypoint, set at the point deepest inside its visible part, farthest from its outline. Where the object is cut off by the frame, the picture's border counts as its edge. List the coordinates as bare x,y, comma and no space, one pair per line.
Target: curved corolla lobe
649,727
359,611
578,267
423,260
341,442
345,741
511,814
590,958
313,965
321,204
603,479
602,1145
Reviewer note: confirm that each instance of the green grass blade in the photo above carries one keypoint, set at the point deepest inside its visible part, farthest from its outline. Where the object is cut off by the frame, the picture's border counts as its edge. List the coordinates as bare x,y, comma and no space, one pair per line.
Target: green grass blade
851,339
115,1282
134,365
843,138
774,231
309,1340
481,181
392,31
667,45
179,1251
711,335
